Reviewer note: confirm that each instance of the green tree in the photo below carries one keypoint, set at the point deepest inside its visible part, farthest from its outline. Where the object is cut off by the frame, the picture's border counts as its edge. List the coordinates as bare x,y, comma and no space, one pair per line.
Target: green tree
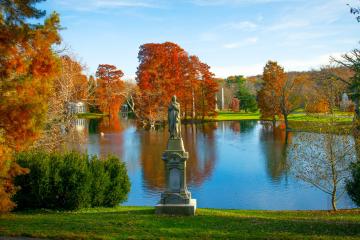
243,93
353,185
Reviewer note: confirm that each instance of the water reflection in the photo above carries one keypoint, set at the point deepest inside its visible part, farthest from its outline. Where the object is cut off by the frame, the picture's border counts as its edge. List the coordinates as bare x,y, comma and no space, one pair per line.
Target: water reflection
238,164
274,143
242,126
198,141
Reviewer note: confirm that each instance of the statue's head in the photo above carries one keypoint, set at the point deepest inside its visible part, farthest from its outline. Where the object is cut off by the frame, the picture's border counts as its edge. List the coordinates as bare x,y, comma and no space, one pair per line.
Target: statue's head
173,98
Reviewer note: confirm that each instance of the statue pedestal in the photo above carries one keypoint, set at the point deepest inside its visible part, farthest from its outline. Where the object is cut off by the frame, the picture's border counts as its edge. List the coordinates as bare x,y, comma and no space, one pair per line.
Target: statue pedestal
176,199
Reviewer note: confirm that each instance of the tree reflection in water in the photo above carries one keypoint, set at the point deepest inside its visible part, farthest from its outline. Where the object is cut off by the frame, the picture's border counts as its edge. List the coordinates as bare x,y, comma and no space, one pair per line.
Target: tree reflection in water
242,126
110,141
274,142
198,141
244,161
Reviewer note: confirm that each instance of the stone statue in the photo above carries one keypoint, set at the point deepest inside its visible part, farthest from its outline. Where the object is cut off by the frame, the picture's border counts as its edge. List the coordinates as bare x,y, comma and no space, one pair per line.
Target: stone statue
176,198
174,119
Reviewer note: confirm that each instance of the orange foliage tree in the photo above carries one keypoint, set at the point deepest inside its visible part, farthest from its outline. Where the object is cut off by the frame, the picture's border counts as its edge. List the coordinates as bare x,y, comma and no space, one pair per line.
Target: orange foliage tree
70,85
110,89
274,78
292,95
318,105
166,70
27,68
281,93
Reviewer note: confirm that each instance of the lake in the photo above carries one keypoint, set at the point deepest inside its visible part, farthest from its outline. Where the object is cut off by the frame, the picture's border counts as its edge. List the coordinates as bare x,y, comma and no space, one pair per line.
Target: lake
232,165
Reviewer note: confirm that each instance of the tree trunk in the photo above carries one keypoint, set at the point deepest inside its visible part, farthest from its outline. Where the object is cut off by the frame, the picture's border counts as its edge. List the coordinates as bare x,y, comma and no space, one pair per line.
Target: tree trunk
286,122
334,179
333,199
286,137
274,122
193,105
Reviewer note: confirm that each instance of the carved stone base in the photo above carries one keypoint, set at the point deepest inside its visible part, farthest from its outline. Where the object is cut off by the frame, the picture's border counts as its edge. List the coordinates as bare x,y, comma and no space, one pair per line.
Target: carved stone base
177,209
183,197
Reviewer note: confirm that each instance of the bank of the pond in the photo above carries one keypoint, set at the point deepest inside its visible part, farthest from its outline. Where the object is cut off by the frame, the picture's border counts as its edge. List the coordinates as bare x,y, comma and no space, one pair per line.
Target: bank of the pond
300,116
142,223
91,115
300,121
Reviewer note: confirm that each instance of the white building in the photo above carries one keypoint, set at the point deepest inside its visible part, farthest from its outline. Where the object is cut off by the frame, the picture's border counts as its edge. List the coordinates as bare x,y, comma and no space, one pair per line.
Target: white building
76,107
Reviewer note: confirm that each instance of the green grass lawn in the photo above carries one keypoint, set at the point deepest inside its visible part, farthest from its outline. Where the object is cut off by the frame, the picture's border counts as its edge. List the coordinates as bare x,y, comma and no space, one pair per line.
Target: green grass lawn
142,223
299,116
91,115
229,116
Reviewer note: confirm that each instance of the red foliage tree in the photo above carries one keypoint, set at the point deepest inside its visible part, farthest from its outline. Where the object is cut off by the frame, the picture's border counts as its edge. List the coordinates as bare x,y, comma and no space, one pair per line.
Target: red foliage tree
166,70
110,89
235,105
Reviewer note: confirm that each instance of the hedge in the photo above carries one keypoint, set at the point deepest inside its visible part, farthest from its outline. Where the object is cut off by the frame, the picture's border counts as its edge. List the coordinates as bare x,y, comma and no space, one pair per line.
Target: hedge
70,181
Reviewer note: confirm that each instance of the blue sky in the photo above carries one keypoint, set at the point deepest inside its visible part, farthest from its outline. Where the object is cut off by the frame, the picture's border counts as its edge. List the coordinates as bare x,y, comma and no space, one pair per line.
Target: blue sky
231,36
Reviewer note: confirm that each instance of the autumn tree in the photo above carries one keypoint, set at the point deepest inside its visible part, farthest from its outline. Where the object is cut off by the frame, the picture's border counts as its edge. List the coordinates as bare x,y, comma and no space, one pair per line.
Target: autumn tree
158,75
325,90
274,78
70,85
28,66
204,101
166,70
235,105
281,93
292,95
110,89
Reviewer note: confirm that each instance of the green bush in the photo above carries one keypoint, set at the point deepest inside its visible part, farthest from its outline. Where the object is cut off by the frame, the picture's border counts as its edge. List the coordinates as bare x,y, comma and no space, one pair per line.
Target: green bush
100,183
70,181
119,184
353,185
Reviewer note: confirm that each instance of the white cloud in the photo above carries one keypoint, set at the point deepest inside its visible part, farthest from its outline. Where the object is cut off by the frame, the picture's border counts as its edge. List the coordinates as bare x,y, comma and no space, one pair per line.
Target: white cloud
93,5
245,42
123,3
242,25
284,25
288,64
236,2
247,70
208,37
308,64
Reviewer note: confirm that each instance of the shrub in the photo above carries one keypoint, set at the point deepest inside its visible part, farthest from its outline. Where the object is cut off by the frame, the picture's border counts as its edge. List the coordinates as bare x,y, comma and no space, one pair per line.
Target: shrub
317,106
353,185
70,181
119,184
100,182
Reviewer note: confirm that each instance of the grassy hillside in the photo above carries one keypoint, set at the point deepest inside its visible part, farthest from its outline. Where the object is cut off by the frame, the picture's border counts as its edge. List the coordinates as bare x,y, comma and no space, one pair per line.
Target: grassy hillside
141,223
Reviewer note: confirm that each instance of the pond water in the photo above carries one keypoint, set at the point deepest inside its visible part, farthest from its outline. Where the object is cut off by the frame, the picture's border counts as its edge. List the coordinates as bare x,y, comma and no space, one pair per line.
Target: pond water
233,165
